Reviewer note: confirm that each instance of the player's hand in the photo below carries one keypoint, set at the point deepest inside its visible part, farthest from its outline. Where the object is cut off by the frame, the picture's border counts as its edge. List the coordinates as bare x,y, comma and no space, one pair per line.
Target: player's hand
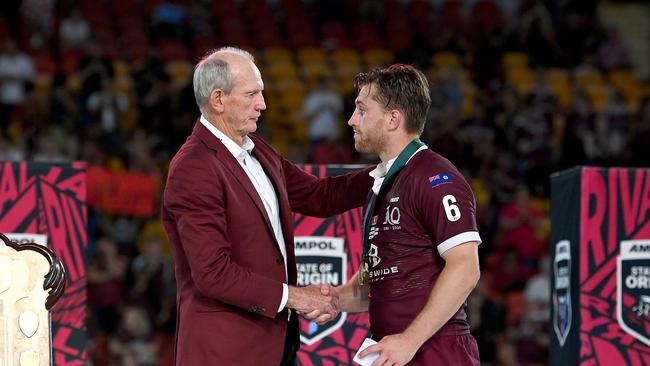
318,316
394,350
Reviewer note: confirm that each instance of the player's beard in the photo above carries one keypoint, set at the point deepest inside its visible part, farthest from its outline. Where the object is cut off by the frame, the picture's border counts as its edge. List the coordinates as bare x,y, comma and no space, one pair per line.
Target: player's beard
370,142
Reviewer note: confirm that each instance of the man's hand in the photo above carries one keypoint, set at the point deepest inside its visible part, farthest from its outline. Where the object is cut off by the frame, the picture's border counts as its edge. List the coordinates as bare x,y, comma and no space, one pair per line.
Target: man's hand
395,350
319,304
319,317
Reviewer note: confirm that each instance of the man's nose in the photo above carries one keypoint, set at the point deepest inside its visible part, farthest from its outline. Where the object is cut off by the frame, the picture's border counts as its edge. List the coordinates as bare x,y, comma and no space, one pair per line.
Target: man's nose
261,105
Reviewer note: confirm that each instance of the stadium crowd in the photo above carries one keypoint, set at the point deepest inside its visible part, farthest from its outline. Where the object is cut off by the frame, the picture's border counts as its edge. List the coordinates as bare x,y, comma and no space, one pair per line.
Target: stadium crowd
519,92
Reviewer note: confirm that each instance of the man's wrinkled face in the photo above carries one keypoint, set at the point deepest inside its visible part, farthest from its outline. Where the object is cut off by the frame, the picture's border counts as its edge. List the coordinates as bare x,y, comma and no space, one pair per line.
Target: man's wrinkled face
245,102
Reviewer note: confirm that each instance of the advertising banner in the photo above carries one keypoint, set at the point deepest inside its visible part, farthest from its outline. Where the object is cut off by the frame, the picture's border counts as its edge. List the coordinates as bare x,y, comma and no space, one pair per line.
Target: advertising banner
46,204
126,194
600,281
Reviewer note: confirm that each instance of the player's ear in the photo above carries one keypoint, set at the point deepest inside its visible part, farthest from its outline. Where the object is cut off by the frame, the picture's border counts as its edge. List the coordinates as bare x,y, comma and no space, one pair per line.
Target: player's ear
395,119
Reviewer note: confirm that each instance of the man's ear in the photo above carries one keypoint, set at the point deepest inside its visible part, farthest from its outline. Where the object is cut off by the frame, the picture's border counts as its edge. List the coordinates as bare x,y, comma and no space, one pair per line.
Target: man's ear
396,119
216,100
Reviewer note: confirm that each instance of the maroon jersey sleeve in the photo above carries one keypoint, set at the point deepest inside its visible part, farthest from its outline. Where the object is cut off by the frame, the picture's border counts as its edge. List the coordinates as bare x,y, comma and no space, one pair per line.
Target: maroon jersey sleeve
447,206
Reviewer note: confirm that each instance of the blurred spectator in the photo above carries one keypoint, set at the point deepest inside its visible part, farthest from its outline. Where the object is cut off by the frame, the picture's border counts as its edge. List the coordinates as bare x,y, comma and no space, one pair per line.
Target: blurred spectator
153,277
323,110
106,274
94,68
502,178
36,116
613,129
169,19
537,32
133,344
578,34
74,30
447,91
63,106
50,146
16,71
612,53
92,153
106,107
139,156
538,293
488,72
487,320
533,333
38,15
577,147
10,151
518,221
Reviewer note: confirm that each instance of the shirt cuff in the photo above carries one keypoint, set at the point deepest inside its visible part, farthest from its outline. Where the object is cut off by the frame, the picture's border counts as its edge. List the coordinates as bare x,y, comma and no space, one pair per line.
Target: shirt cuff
459,239
285,297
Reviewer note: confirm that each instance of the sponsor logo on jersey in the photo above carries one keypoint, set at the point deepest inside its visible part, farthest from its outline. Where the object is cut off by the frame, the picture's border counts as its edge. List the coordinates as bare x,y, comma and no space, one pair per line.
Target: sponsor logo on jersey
394,199
439,179
373,232
392,216
373,255
375,219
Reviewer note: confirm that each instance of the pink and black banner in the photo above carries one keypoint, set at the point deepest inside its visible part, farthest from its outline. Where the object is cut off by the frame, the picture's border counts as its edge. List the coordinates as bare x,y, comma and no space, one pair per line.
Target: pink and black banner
50,200
329,251
600,281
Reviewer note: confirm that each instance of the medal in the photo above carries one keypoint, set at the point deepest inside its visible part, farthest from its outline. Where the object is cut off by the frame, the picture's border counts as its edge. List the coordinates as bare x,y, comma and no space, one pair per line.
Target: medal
362,278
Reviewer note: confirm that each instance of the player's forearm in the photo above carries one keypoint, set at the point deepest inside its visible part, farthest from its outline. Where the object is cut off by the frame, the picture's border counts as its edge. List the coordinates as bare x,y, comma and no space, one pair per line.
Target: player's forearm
353,297
455,283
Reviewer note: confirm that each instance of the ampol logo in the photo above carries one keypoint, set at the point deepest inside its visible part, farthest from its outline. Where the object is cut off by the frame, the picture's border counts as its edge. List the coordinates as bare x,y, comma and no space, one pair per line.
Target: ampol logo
320,259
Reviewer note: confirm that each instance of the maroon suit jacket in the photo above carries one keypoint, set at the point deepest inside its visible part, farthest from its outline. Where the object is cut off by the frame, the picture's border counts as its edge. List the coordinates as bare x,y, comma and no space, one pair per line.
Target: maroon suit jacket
229,269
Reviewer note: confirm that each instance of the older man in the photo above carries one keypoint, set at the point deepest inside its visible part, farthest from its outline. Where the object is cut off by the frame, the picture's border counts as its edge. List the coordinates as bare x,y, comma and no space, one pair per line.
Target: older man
227,210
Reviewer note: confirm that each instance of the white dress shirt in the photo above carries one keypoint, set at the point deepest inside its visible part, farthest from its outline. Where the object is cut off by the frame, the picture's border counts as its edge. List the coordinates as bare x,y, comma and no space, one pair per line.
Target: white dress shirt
382,169
264,189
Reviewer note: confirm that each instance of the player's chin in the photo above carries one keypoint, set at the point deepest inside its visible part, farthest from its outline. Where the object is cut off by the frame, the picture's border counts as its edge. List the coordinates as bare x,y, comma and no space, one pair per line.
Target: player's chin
361,147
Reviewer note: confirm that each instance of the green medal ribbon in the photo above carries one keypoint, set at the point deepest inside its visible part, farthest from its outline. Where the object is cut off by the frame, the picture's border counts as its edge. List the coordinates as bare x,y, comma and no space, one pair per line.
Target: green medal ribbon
397,166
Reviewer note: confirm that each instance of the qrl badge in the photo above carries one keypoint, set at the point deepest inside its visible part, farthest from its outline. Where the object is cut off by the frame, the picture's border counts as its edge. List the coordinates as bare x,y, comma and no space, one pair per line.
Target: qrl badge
562,291
633,289
320,260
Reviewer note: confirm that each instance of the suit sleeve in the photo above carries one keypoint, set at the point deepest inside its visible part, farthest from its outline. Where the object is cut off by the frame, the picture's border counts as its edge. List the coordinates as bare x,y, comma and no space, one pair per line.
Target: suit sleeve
325,197
196,205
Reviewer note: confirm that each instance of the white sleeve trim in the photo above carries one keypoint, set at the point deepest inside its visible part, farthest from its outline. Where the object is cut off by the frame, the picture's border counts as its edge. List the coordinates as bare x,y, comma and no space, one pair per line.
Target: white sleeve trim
458,240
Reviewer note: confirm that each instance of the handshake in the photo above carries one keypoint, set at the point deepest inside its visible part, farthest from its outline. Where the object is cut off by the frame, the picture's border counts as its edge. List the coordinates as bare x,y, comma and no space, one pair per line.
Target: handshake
317,303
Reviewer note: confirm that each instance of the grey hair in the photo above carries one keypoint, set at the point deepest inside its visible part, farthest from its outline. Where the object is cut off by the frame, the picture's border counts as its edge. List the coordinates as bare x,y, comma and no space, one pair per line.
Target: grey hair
213,72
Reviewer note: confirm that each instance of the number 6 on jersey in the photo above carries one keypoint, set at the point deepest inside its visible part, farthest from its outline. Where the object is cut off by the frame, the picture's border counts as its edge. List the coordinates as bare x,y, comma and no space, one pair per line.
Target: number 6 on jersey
451,210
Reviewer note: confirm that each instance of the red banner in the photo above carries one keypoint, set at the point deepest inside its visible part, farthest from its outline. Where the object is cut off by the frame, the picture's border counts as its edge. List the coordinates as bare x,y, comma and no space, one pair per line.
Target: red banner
127,194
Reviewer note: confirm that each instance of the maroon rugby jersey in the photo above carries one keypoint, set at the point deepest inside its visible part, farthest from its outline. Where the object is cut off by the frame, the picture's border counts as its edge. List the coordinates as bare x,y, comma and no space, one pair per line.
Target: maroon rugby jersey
428,209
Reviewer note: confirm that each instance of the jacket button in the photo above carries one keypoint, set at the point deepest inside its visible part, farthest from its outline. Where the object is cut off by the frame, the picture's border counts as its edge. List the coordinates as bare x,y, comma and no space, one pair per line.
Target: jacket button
279,260
257,309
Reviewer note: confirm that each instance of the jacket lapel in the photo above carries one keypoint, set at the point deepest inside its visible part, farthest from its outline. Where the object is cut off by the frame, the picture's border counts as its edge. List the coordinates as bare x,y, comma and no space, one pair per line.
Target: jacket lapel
233,167
263,155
